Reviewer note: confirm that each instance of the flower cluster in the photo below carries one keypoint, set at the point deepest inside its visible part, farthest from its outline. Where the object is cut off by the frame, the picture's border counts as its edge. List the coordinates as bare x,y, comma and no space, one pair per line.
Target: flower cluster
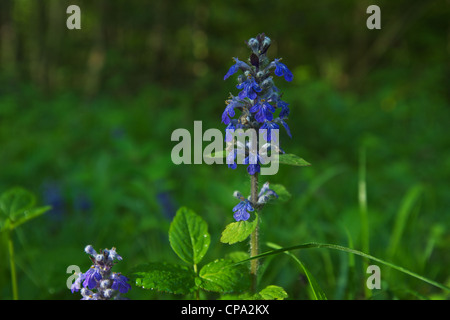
257,101
242,209
99,283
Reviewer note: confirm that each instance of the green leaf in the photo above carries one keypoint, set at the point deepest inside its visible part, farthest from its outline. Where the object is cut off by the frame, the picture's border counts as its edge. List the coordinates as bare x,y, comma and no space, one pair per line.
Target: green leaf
317,291
15,201
29,215
17,207
165,277
352,251
272,293
237,256
223,276
188,236
291,159
402,218
280,190
238,231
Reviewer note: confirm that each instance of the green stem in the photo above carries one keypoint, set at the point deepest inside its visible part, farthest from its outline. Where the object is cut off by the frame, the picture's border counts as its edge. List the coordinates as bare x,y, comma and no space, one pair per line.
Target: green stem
13,267
362,199
254,238
197,292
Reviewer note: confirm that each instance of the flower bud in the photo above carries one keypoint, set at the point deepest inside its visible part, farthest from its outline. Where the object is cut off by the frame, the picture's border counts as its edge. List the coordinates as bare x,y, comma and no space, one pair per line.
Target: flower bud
108,293
267,83
237,195
105,284
90,250
265,44
254,45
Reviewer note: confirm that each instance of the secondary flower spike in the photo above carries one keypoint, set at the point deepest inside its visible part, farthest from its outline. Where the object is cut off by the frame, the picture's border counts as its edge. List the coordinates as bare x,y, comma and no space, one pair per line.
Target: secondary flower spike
99,283
244,207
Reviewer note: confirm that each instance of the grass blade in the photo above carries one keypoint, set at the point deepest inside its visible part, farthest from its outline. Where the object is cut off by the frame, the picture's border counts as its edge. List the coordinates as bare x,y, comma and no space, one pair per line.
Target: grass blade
402,218
352,251
316,289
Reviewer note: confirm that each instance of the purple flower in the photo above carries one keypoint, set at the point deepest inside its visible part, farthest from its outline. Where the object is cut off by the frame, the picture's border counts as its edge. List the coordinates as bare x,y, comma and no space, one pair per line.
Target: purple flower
284,113
76,286
269,126
253,161
288,131
92,276
265,194
230,160
99,283
253,168
232,103
264,110
120,283
241,210
229,130
282,70
249,88
256,102
235,67
113,255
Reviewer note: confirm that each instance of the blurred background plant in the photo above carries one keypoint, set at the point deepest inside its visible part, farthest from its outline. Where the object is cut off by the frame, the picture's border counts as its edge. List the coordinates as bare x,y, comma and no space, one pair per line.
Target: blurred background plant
86,117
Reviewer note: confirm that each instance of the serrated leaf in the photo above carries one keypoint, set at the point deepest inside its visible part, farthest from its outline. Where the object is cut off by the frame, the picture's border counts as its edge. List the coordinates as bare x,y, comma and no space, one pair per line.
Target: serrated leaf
291,159
223,276
238,231
165,277
273,293
280,190
188,236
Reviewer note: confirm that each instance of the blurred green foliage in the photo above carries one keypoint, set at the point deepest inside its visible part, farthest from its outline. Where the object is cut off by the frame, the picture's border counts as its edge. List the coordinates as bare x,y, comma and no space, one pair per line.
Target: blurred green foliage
86,117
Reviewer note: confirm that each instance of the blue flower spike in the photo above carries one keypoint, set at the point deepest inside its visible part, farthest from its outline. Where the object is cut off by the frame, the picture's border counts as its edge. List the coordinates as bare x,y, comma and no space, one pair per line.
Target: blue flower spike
257,104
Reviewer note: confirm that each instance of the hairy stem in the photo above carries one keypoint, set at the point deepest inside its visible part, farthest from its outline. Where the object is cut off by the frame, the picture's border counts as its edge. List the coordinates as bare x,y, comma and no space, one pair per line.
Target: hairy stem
254,245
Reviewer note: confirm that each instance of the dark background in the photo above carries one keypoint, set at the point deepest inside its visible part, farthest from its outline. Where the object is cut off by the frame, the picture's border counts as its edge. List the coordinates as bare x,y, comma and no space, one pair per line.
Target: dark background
86,118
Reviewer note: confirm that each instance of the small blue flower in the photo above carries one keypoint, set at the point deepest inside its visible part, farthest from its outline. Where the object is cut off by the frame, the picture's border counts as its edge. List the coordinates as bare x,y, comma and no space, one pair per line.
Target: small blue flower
230,160
235,67
253,168
229,109
241,210
265,194
229,130
264,111
249,88
76,286
92,276
253,161
282,70
113,255
285,125
284,113
120,283
269,126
